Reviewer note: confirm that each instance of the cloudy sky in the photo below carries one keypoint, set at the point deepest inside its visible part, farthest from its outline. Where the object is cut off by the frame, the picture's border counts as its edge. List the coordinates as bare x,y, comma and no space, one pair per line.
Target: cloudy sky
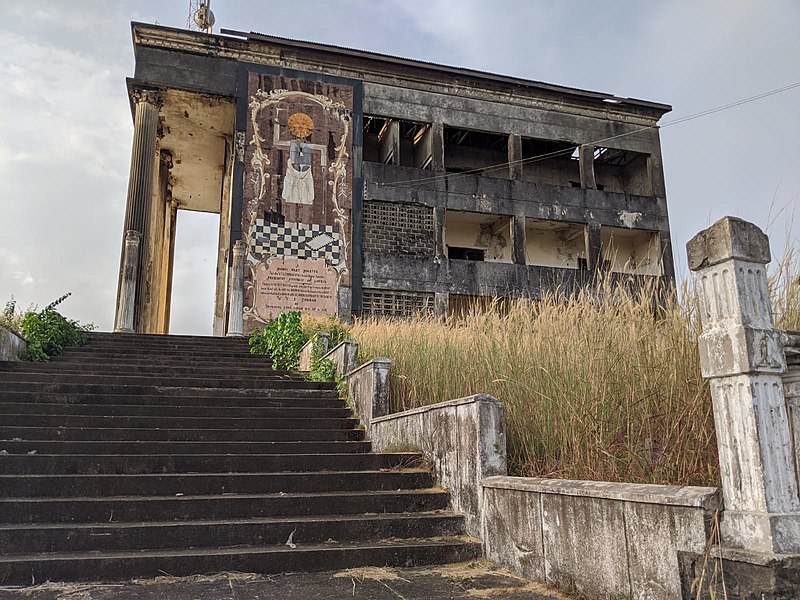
65,125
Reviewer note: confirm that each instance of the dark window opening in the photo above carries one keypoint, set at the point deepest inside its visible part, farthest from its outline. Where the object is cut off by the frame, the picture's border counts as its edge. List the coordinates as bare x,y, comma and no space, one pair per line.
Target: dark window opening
481,152
465,253
622,171
583,264
551,162
398,142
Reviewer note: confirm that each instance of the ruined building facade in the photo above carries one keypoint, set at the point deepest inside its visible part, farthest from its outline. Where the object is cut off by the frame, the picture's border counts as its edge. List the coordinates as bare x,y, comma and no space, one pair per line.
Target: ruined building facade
349,182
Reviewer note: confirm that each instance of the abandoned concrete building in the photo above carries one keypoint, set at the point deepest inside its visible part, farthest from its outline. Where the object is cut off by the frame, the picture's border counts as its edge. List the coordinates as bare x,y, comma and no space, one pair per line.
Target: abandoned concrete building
349,182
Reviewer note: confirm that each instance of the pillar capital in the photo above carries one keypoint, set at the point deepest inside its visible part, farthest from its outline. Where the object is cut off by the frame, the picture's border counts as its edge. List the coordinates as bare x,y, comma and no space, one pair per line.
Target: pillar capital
132,236
150,96
239,247
728,239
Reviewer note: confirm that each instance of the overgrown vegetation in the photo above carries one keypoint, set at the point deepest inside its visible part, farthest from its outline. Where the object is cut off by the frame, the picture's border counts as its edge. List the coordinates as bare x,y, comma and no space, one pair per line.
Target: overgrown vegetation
48,332
11,317
596,386
284,337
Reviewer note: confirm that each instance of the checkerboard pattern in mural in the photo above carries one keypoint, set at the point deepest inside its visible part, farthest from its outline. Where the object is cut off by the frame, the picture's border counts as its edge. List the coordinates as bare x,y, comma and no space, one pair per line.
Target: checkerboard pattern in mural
295,240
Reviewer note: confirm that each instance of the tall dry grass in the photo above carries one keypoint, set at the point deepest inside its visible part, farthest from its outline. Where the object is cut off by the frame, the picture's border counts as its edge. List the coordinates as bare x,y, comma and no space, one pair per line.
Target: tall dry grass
596,386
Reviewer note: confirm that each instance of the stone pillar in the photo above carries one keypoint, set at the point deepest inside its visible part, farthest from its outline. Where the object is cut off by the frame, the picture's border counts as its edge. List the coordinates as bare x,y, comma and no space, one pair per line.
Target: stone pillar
594,243
515,165
586,165
441,304
236,291
127,289
437,146
140,185
742,356
518,239
440,250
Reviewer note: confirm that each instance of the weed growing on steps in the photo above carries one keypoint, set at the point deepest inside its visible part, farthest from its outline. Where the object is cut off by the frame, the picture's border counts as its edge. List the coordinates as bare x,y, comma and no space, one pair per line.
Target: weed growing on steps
47,332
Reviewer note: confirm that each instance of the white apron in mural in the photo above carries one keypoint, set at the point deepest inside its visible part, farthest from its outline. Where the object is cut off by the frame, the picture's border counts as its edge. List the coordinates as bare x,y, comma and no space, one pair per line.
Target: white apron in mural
298,186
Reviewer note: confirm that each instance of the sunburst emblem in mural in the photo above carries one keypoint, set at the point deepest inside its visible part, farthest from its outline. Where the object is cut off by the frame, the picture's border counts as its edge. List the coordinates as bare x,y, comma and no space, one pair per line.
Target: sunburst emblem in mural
300,125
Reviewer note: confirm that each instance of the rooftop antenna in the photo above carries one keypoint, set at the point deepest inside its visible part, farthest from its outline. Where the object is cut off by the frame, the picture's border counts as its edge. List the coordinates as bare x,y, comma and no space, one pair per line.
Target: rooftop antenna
200,16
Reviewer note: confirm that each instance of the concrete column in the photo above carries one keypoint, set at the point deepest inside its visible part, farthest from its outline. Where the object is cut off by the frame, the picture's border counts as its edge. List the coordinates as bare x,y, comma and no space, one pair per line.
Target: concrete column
127,289
440,251
140,185
437,146
586,164
236,291
742,356
515,156
441,304
593,246
518,239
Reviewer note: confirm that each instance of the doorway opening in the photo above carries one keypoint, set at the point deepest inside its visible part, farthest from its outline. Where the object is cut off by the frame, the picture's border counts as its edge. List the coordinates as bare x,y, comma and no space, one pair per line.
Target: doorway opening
194,273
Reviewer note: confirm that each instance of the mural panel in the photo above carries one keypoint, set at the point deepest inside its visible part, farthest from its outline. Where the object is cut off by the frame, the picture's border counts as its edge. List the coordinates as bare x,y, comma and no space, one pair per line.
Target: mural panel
297,196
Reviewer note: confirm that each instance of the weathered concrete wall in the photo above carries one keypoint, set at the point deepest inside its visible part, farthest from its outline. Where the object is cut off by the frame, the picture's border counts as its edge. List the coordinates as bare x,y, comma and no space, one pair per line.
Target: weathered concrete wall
344,355
368,390
604,540
791,391
11,345
319,342
465,439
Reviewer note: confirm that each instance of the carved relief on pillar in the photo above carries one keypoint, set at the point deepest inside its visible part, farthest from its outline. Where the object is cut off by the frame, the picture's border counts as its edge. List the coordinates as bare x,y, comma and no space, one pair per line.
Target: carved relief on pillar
148,96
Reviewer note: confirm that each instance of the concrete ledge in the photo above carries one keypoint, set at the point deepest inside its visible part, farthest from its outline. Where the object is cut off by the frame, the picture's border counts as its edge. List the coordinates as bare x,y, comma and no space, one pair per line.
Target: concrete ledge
464,439
600,539
668,495
318,340
344,355
11,345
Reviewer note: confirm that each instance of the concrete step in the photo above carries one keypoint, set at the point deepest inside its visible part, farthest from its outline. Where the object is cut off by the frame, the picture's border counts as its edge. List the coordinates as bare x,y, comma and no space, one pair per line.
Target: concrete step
122,464
30,538
217,395
194,484
104,336
153,422
172,410
167,387
270,380
36,568
248,360
79,433
160,353
317,399
153,369
107,447
130,509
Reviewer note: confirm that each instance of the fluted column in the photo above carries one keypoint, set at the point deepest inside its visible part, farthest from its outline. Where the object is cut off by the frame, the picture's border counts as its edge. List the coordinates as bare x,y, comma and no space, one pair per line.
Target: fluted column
236,291
127,288
140,184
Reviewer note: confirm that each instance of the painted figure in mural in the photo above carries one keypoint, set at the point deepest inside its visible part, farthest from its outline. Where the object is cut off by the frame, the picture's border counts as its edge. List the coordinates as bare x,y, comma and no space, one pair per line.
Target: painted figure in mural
298,183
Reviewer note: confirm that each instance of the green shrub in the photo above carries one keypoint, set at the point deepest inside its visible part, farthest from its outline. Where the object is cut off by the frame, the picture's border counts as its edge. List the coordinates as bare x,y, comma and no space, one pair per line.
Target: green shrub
48,332
282,340
321,369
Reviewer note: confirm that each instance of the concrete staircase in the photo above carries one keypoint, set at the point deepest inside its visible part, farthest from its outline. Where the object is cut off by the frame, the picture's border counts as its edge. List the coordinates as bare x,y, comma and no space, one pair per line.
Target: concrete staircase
138,455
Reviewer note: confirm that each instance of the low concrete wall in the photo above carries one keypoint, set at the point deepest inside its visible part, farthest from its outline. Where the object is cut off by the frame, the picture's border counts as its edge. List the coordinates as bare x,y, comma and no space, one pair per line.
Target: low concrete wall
604,540
11,345
320,342
465,439
344,355
368,390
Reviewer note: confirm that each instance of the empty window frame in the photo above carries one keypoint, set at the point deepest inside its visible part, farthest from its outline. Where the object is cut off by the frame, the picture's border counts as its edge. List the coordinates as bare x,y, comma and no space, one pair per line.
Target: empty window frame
398,142
550,162
633,251
555,244
488,235
466,150
622,171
